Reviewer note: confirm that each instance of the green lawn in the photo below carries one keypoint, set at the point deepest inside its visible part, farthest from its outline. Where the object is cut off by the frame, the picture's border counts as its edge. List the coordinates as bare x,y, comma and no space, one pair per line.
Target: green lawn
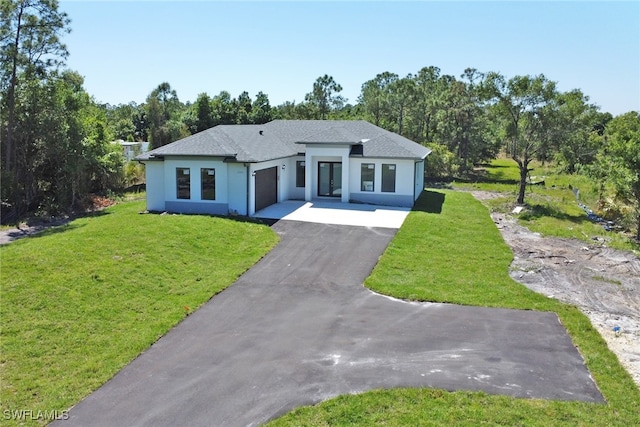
449,250
79,302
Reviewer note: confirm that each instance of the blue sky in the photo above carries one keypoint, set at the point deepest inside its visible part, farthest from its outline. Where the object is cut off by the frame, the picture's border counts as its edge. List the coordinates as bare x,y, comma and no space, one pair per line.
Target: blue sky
125,49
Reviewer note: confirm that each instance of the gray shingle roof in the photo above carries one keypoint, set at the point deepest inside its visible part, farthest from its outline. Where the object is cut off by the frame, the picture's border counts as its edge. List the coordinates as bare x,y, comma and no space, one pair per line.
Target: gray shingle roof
284,138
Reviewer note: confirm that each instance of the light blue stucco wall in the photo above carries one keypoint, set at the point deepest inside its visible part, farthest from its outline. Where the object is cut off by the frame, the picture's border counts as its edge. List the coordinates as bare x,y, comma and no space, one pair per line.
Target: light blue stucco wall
162,186
237,188
295,193
154,174
405,182
190,207
235,182
384,199
419,178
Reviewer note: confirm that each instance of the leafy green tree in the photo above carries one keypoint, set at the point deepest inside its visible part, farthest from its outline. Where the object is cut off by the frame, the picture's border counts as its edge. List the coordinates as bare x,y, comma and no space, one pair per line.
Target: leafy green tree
125,130
441,163
577,122
261,111
621,160
163,110
526,106
190,119
460,120
285,111
141,123
133,173
375,97
427,108
223,109
30,48
68,139
204,113
120,119
292,111
127,121
478,142
243,107
324,96
91,163
348,112
401,96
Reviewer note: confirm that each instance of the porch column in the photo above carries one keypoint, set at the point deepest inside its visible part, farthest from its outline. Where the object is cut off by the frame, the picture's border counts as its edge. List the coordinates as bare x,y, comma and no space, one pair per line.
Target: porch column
345,177
308,176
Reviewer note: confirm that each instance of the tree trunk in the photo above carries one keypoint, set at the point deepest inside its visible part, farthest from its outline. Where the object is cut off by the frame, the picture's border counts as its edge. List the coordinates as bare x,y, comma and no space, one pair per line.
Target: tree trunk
524,171
10,160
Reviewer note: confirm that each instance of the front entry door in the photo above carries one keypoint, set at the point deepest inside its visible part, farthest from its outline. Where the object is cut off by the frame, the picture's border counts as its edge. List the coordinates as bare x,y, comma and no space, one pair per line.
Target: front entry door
330,179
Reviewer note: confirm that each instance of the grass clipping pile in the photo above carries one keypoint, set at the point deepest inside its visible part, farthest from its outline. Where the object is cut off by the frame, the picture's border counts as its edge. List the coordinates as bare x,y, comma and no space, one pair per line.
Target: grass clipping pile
603,283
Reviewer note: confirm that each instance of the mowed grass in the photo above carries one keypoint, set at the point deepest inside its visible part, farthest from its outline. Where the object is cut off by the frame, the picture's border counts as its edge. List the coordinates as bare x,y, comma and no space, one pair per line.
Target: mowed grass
454,258
79,302
449,250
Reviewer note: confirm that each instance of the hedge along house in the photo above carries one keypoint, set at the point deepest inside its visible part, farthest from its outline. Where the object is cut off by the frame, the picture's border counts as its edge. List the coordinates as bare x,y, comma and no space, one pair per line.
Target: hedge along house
241,169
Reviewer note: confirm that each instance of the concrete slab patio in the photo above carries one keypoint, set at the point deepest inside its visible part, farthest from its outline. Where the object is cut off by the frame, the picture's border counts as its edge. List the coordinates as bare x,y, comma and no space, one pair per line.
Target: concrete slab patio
299,328
337,213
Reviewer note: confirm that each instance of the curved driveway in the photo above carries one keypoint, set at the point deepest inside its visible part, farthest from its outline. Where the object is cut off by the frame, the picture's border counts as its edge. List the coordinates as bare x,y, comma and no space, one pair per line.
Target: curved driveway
299,328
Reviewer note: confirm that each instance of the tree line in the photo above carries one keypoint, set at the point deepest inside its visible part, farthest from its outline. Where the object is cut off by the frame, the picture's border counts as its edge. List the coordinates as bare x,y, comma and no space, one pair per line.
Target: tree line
56,139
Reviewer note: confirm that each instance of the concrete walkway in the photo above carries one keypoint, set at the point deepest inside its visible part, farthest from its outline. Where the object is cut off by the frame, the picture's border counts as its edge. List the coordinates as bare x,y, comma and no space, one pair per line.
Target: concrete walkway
299,328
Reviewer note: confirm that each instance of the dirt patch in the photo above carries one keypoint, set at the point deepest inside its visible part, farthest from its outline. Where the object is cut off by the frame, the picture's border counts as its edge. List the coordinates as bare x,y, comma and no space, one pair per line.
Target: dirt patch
35,226
24,230
603,283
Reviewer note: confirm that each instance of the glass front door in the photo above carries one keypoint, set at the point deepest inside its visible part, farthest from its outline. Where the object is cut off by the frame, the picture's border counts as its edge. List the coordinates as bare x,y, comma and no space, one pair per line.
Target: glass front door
330,179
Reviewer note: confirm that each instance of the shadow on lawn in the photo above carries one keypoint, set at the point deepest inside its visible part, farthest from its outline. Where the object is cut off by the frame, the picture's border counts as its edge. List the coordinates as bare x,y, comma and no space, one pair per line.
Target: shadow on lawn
430,202
38,228
538,211
33,232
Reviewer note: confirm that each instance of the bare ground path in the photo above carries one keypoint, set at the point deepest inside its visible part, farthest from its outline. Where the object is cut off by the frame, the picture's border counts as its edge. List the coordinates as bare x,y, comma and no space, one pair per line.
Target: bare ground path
603,282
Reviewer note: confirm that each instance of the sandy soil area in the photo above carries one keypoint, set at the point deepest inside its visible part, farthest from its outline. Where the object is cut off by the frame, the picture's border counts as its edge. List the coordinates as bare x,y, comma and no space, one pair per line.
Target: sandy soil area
603,282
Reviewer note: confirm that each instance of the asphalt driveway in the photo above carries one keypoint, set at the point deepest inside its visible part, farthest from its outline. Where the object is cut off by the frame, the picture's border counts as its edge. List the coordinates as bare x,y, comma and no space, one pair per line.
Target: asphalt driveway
299,328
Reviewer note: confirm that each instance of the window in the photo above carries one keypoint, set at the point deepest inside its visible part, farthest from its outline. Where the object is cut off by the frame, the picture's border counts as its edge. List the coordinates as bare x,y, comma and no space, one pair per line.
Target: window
300,172
208,182
388,178
183,180
367,176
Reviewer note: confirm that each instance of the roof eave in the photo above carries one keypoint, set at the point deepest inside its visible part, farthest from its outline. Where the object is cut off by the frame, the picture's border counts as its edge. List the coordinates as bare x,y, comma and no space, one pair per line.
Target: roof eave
364,156
145,158
226,156
327,143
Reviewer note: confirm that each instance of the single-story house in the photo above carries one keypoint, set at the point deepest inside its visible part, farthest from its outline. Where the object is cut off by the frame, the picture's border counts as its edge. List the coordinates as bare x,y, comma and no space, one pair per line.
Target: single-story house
241,169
